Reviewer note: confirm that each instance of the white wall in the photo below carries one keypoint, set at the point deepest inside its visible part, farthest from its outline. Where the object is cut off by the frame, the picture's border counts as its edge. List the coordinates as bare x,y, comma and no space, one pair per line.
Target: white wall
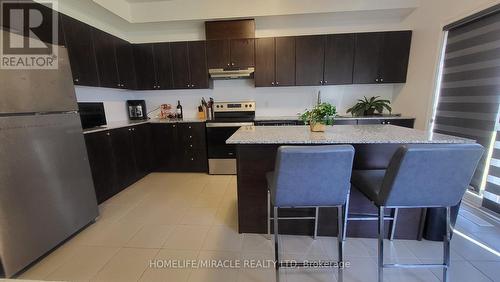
114,100
282,101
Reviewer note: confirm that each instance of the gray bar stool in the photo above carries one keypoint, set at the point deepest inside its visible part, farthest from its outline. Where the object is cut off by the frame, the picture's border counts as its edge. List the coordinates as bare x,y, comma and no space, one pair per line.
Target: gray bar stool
420,176
310,176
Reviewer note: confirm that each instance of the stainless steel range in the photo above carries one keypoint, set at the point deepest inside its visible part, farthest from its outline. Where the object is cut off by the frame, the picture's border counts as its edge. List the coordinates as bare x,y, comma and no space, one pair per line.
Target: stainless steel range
228,117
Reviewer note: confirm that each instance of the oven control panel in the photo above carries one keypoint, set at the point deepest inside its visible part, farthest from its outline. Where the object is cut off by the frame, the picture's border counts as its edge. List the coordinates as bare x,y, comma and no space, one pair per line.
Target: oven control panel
234,106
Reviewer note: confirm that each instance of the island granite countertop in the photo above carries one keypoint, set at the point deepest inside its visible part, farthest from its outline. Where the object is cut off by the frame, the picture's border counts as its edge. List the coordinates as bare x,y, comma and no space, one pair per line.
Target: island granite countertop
340,134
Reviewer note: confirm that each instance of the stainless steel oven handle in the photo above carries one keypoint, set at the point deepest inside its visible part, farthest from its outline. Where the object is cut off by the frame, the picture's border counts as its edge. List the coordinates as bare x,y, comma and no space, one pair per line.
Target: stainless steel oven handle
229,124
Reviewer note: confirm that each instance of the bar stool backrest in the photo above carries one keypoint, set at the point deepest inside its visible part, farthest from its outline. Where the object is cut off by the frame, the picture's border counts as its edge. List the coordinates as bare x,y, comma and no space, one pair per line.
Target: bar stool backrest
312,175
429,175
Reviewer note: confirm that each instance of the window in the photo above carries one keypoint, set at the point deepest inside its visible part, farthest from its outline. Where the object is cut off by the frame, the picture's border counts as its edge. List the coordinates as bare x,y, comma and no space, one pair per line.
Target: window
469,95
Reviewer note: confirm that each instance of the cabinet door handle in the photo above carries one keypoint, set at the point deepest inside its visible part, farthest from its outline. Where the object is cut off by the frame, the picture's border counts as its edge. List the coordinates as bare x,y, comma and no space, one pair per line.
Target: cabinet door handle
232,64
192,85
321,82
173,125
76,79
272,83
108,134
189,127
381,79
192,159
376,79
388,122
277,83
326,81
190,137
191,146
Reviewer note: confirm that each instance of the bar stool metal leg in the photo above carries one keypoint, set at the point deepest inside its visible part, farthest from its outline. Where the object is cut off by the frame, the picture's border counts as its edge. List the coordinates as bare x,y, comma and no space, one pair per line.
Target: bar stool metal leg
268,215
381,244
446,244
316,213
276,247
346,211
340,239
394,216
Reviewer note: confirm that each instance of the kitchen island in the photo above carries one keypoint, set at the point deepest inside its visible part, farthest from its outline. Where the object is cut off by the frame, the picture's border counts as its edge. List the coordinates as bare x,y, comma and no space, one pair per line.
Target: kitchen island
374,145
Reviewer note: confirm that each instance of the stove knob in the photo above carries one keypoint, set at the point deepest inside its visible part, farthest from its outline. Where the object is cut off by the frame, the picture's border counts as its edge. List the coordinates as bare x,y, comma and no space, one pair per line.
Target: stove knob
217,106
222,106
250,105
246,106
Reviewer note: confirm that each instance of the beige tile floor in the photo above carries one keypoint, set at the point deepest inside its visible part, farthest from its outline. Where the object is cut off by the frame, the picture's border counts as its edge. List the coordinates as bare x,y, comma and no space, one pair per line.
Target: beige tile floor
181,216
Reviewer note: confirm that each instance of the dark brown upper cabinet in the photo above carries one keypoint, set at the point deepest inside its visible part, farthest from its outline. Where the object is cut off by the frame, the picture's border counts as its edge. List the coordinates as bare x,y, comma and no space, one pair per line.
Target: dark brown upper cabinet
339,59
153,65
189,65
274,61
180,64
232,29
198,71
285,61
225,53
242,53
81,51
394,57
144,66
218,54
163,65
125,64
45,32
104,45
264,62
309,59
381,57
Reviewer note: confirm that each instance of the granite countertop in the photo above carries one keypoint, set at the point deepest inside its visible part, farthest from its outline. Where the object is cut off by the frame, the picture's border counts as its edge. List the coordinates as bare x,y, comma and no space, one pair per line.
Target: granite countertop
127,123
346,117
344,134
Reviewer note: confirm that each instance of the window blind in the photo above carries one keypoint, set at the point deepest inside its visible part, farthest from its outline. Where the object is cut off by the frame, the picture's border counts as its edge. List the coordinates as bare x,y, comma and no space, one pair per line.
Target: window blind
469,100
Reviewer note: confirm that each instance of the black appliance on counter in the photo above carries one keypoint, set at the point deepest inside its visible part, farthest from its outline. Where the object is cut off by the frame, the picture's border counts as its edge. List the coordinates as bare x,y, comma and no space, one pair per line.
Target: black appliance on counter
92,114
137,109
228,117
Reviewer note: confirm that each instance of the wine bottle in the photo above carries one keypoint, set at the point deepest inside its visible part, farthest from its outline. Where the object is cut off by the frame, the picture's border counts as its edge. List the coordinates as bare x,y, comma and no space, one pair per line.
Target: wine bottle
179,110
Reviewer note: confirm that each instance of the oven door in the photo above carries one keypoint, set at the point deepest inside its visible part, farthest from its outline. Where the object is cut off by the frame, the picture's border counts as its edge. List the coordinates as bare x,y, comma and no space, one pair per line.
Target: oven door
222,156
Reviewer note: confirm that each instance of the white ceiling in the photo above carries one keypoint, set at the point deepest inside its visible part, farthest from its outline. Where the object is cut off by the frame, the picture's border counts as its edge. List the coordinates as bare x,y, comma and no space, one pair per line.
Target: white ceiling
139,1
143,11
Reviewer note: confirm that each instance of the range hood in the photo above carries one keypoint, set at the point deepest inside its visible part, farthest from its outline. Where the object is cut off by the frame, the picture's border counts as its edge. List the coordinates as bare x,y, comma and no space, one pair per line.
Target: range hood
225,31
231,73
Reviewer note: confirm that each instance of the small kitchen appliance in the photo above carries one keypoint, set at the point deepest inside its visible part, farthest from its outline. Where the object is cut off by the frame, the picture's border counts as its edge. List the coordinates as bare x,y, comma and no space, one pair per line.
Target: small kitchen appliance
137,109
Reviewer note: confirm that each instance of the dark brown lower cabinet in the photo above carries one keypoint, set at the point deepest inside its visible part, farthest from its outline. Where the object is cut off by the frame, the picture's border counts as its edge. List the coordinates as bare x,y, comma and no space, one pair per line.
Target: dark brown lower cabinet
163,139
141,146
118,158
179,147
102,164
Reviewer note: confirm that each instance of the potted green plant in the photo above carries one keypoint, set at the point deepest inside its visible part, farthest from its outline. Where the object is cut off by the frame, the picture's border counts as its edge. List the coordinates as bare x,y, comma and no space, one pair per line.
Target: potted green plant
367,107
319,117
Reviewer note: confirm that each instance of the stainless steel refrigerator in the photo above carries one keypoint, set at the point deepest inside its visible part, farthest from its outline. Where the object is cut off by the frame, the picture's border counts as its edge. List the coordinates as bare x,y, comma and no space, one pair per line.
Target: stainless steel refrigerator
46,188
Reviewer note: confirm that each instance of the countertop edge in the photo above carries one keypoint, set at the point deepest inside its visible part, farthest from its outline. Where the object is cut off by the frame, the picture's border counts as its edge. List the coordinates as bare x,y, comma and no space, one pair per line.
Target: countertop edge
122,124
